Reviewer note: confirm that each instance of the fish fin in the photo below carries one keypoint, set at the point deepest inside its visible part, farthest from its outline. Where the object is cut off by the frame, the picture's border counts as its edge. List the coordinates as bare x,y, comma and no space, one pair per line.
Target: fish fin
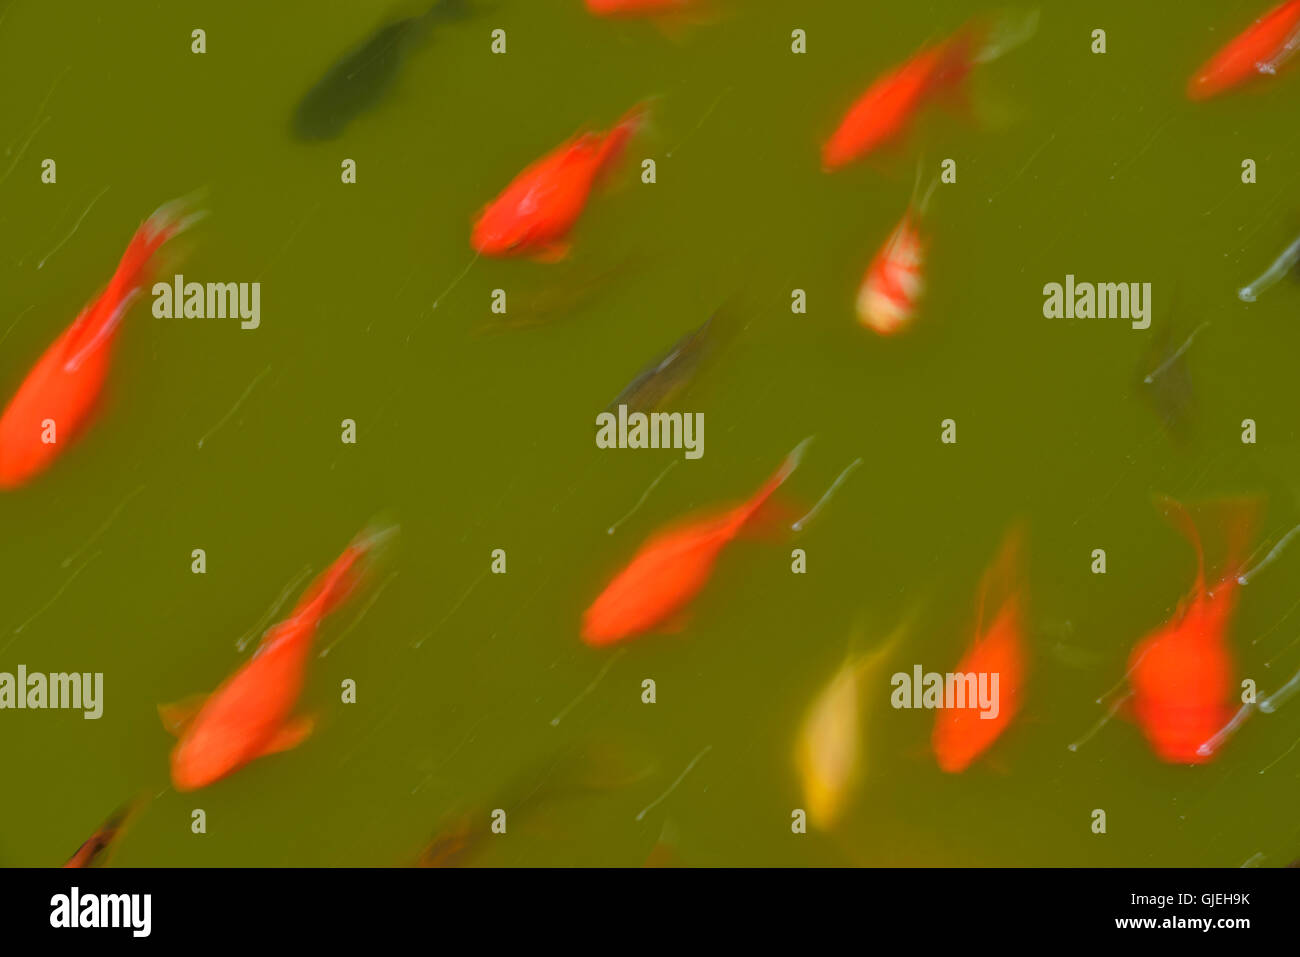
675,624
611,148
553,253
771,521
291,734
177,716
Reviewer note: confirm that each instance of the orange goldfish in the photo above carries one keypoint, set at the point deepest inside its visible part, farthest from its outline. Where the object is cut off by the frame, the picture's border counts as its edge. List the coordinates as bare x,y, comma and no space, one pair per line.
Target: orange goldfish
962,734
248,716
59,394
1262,48
535,213
1182,673
889,104
671,568
887,107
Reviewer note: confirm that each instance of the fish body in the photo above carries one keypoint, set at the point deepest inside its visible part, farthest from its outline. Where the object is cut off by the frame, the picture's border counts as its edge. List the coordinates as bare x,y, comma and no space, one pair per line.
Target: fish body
670,569
535,212
360,79
62,389
890,103
829,752
93,848
248,716
1182,672
664,378
591,769
894,281
1261,48
963,734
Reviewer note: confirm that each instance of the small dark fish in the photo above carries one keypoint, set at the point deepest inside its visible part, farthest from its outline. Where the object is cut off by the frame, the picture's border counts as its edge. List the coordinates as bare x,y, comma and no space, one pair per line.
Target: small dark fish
94,847
579,289
1165,382
586,771
355,83
662,380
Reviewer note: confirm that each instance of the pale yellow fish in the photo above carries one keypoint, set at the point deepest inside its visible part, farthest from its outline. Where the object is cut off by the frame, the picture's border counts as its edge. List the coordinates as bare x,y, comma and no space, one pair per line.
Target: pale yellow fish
829,753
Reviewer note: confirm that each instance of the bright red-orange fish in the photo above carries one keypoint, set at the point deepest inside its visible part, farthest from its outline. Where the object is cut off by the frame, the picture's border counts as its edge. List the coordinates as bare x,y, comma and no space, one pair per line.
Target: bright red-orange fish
894,281
889,104
636,8
670,569
248,716
1262,48
59,394
962,734
1182,673
535,213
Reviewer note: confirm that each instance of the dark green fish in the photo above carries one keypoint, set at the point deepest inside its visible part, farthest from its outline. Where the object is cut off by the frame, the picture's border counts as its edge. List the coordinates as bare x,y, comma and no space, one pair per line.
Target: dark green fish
659,382
361,78
587,770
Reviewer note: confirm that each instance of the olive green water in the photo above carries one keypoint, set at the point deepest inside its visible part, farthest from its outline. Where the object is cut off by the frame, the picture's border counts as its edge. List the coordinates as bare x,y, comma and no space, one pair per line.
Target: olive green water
477,438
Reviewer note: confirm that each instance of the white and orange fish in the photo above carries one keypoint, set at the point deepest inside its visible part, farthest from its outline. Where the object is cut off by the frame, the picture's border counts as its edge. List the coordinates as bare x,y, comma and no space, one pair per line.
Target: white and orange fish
894,282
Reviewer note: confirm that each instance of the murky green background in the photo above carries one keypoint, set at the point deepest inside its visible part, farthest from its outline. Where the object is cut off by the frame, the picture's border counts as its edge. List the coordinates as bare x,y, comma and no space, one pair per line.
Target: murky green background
479,438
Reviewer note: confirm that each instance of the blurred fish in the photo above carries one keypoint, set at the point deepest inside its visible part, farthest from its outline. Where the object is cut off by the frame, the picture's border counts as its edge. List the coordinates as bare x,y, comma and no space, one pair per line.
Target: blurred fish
1182,673
59,394
665,853
671,568
534,213
1261,49
661,381
88,855
828,754
590,769
1164,380
638,8
888,106
894,281
248,717
359,80
962,734
566,296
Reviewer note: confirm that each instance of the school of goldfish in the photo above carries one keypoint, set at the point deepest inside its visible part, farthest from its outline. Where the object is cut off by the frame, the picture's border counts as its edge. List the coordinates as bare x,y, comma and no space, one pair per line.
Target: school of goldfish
1181,676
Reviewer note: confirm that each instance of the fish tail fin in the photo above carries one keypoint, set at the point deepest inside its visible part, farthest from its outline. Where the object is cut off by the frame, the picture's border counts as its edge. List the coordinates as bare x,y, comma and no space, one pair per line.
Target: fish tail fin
1177,515
97,323
1005,31
787,467
611,147
167,221
333,586
1002,579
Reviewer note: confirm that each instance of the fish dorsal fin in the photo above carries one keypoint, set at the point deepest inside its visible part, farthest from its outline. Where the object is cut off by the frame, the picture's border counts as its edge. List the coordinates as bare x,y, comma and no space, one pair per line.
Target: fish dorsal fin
291,734
179,715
